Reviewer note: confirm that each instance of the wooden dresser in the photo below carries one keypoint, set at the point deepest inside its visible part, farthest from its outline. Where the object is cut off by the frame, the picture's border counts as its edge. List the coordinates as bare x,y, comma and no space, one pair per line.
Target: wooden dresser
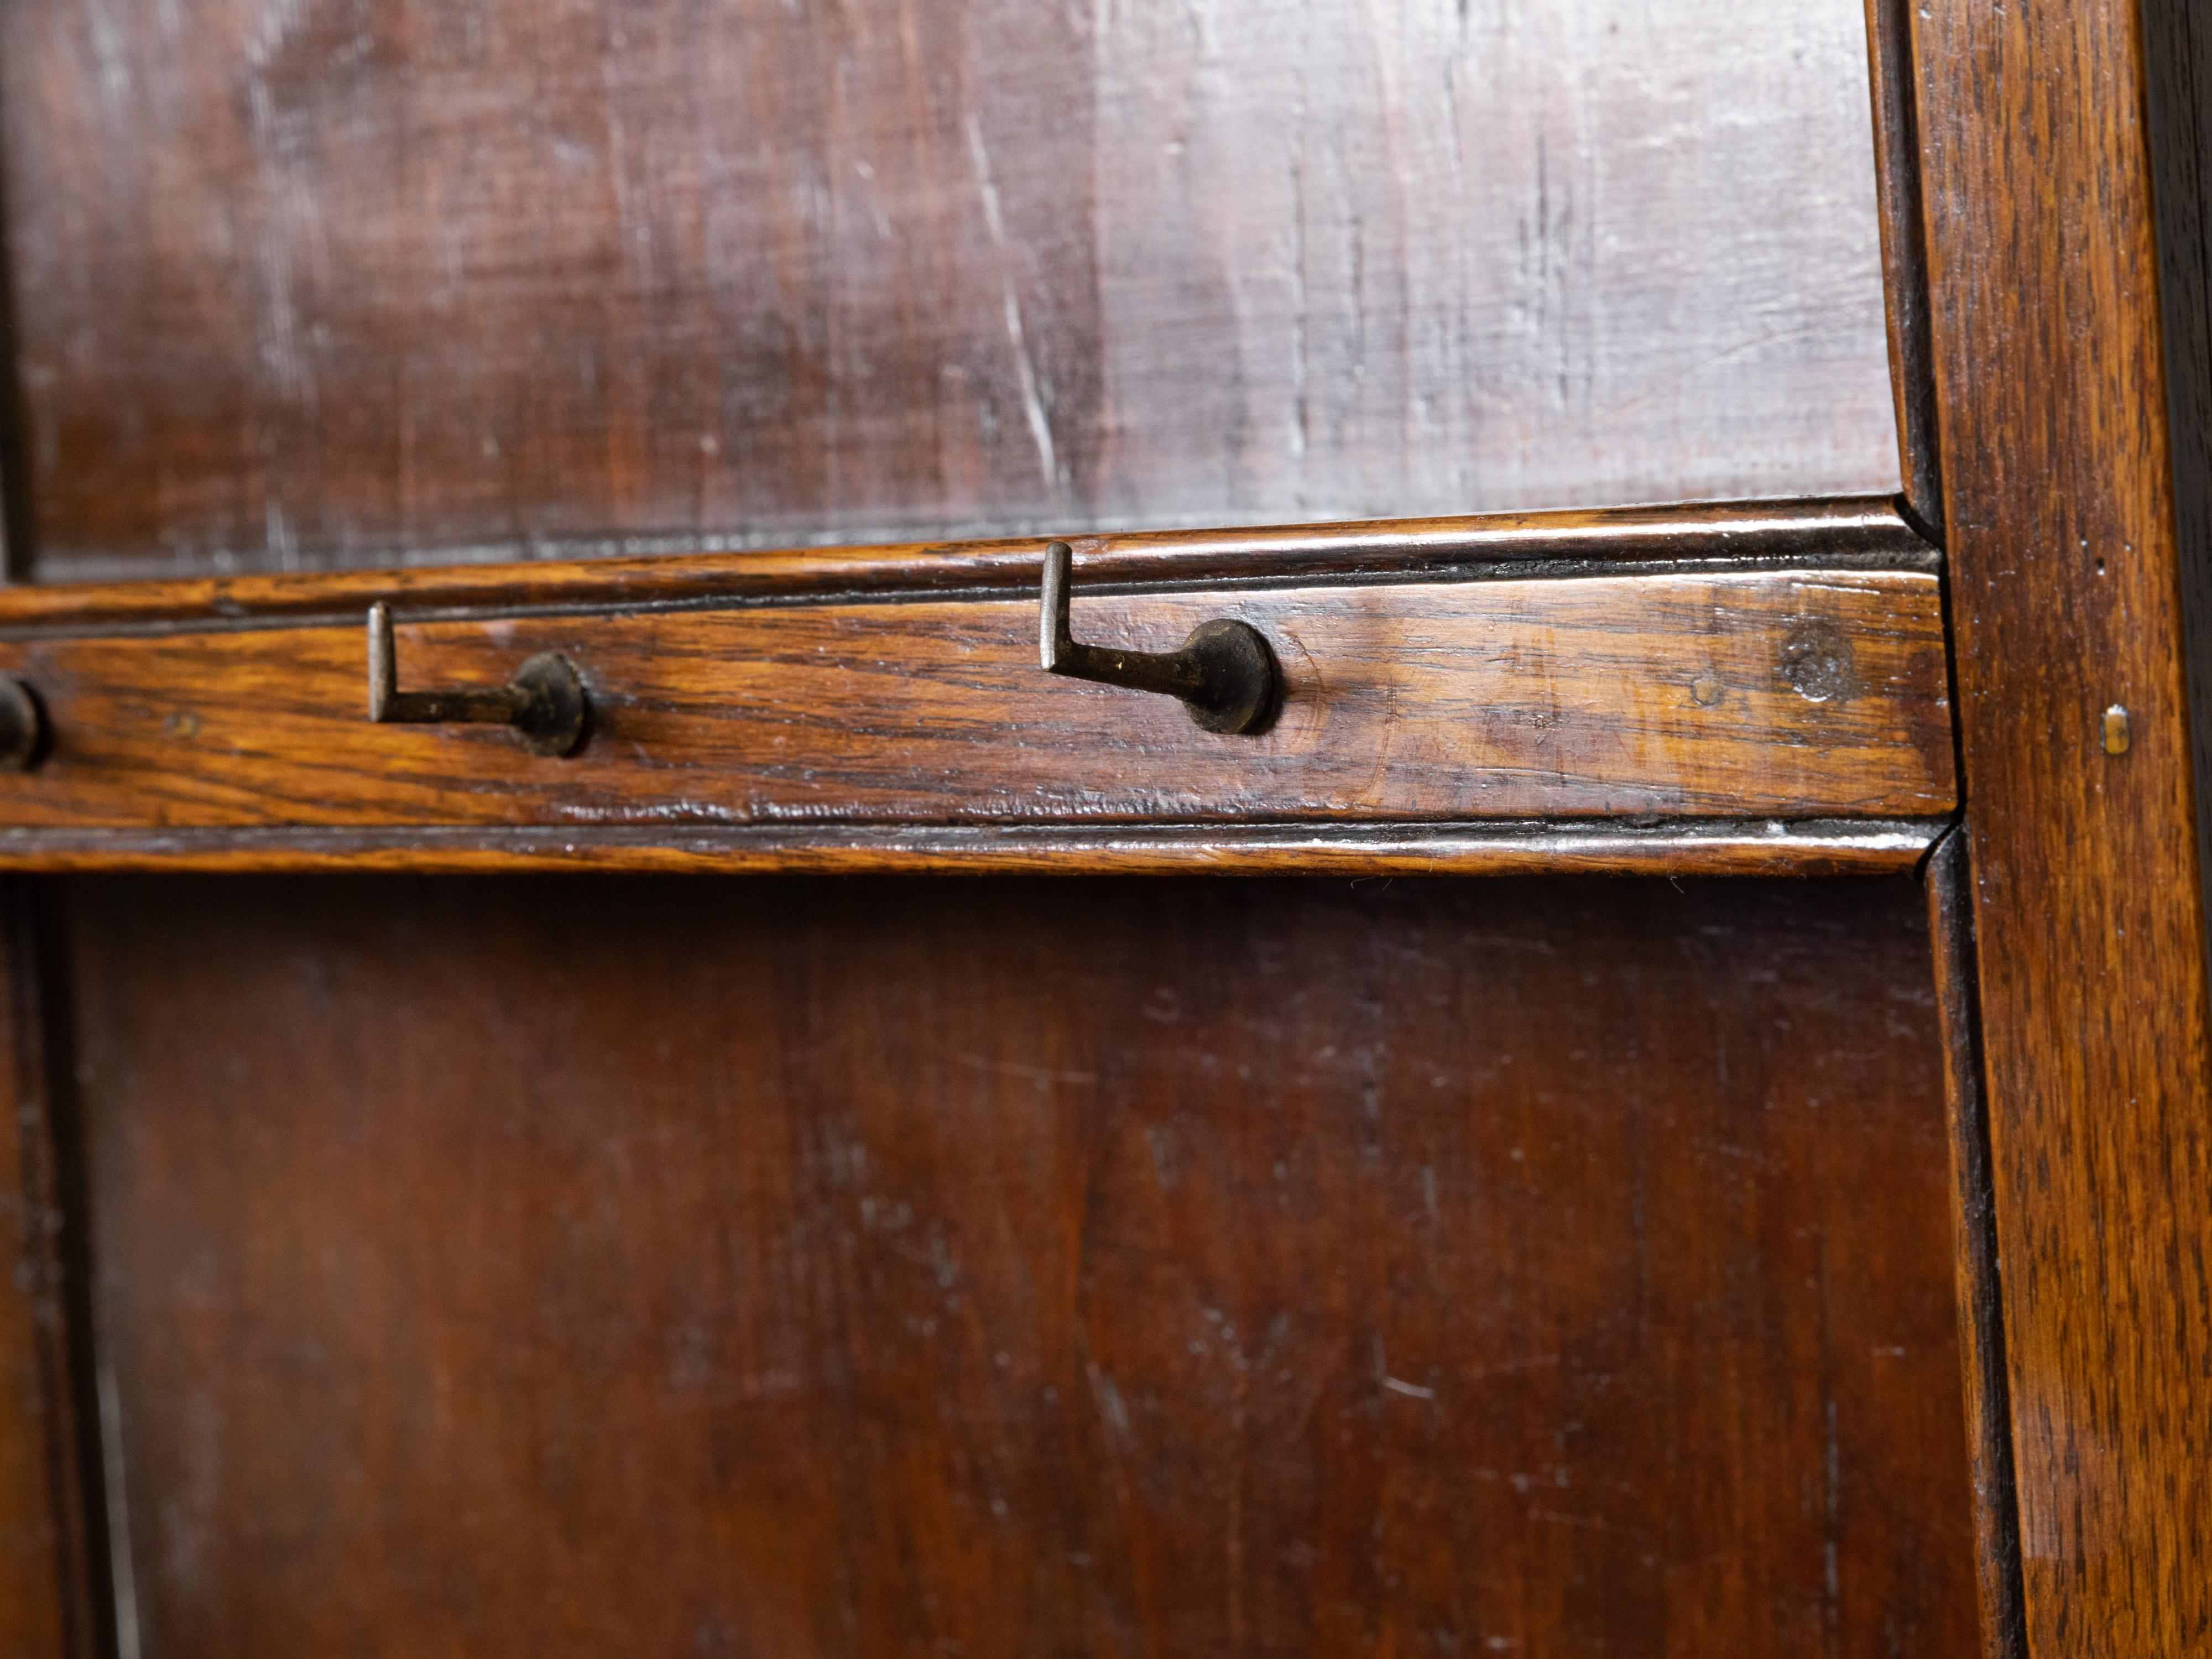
843,827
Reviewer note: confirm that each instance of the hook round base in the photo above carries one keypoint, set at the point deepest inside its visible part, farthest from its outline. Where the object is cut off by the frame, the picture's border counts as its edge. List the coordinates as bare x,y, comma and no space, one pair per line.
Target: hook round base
23,726
1244,683
552,721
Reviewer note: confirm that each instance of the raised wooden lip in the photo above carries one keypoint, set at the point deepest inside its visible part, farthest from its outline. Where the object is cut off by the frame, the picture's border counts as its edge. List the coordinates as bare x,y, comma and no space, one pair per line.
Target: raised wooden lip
1852,531
1764,848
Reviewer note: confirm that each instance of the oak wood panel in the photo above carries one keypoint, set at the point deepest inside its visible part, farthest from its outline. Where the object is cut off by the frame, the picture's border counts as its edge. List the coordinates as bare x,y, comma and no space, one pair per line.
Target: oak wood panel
868,1267
317,282
1806,693
2065,554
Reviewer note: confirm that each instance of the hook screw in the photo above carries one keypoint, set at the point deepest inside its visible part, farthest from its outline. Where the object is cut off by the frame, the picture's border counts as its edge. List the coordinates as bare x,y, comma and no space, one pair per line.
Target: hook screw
544,703
1226,673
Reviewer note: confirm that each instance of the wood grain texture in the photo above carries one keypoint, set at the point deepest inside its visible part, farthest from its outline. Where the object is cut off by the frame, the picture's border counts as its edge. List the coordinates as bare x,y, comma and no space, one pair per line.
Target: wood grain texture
868,1267
48,1605
1802,694
2066,560
319,282
640,571
1772,847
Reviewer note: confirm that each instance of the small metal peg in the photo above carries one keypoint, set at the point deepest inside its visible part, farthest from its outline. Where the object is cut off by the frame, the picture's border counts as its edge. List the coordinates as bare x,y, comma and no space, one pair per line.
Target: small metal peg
23,726
544,703
1225,672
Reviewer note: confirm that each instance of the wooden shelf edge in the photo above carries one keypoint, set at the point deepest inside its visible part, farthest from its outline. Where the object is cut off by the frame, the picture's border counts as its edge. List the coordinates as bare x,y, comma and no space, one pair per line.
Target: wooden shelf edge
640,573
1776,848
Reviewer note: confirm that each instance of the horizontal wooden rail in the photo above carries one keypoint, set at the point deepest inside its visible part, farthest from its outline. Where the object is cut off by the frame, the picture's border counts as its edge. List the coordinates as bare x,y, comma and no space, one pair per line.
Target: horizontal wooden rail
1749,688
1585,847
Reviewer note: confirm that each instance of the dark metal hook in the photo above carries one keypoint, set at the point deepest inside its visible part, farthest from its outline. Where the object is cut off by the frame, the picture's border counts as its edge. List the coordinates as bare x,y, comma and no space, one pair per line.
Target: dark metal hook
544,702
1226,673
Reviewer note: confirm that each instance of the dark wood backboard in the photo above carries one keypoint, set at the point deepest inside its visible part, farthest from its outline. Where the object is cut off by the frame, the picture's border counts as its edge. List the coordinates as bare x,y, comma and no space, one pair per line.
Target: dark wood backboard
321,284
884,1267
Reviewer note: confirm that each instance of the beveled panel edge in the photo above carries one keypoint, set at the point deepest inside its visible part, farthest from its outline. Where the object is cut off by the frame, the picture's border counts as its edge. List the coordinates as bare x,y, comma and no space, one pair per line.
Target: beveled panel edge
1769,847
646,571
1905,259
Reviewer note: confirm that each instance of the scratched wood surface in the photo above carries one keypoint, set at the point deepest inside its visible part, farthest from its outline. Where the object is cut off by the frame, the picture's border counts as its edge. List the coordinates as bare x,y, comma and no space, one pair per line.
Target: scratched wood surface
2068,461
884,1267
1840,531
319,282
1803,693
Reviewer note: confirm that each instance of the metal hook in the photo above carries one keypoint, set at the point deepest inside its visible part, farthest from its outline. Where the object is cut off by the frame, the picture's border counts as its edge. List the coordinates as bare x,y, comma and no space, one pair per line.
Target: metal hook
1226,673
544,702
23,726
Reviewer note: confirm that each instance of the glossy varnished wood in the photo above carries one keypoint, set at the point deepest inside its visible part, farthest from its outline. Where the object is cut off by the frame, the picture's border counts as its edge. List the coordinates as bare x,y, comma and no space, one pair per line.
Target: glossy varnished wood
872,1267
2067,561
1704,695
646,571
1859,538
1370,848
863,1266
318,283
1948,881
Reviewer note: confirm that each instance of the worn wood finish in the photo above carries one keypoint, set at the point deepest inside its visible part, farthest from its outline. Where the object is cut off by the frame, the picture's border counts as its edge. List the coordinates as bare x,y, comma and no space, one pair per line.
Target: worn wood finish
1793,693
1772,847
315,284
49,1604
809,1267
2059,470
1852,532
